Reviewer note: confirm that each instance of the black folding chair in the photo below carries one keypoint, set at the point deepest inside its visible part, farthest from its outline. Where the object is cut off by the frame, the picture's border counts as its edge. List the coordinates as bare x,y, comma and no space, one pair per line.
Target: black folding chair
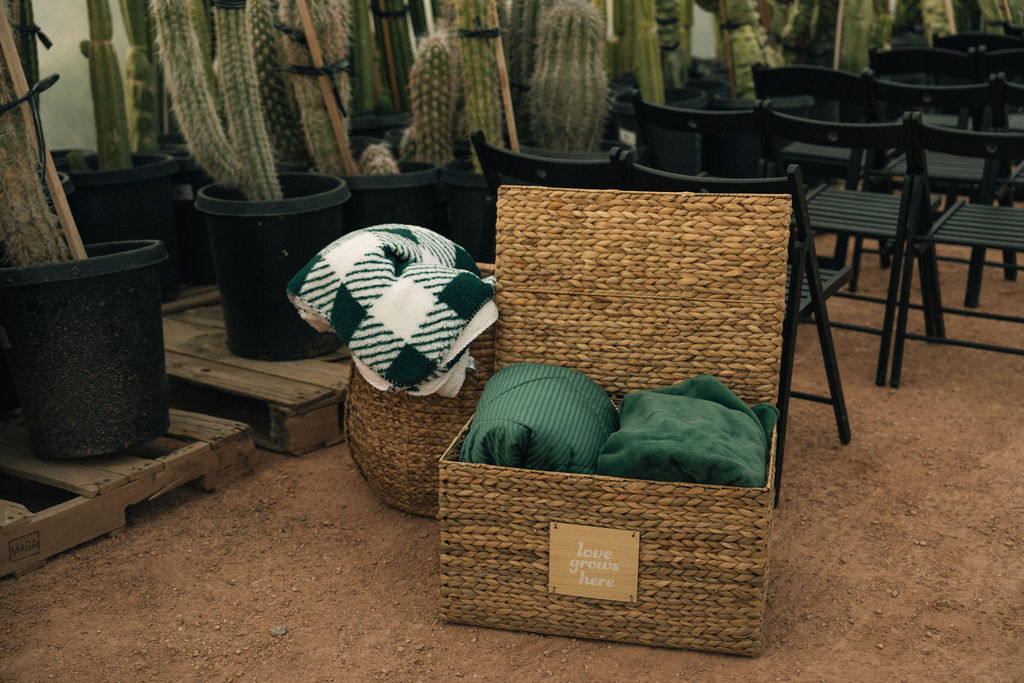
1009,63
807,287
965,40
502,166
853,211
924,65
736,133
980,225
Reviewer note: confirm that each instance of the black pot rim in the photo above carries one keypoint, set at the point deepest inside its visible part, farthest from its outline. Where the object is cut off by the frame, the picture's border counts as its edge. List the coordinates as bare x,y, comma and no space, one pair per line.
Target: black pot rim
414,174
145,166
460,172
103,258
220,206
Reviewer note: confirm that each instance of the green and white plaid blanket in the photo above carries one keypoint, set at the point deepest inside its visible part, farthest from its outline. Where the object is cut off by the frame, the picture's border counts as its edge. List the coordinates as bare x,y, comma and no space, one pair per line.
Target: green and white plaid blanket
406,301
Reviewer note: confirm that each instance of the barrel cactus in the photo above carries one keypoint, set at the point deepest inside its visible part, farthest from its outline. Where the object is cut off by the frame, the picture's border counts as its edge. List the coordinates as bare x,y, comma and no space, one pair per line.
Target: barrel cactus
237,154
377,159
568,97
432,97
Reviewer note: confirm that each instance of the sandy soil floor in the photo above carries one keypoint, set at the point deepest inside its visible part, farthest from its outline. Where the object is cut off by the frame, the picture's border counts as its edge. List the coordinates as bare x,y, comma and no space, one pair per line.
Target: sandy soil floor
897,557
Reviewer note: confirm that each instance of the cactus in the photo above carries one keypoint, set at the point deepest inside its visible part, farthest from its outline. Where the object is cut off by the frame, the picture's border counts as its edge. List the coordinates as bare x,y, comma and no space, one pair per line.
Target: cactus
392,29
29,231
332,21
674,56
140,78
480,85
524,18
377,159
647,53
568,98
27,49
432,98
113,145
238,155
365,81
280,108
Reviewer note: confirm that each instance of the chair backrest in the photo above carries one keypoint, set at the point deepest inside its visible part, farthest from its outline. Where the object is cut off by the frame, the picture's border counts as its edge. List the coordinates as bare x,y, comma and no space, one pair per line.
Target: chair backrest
865,140
928,65
659,127
1011,30
970,100
1009,97
964,40
1009,62
502,166
846,94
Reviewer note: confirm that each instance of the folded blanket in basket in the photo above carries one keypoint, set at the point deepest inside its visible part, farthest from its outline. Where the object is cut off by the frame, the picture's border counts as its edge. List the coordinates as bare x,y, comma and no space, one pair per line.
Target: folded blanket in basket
406,301
698,431
541,417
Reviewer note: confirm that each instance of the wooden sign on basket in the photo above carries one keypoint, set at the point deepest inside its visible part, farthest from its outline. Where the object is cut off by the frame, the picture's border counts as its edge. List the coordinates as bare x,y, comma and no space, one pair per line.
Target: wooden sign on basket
593,562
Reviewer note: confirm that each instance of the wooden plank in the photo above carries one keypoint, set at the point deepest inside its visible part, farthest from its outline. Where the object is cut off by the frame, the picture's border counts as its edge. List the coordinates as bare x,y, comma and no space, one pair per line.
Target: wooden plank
193,297
310,431
213,430
201,342
17,460
205,316
11,512
234,380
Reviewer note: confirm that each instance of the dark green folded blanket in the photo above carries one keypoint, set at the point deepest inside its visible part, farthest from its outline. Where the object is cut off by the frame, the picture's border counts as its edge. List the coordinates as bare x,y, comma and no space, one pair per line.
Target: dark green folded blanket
697,431
542,417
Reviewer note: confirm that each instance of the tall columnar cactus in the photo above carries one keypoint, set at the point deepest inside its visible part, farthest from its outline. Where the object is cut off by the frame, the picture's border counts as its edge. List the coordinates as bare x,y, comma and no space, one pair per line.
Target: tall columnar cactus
646,51
432,99
238,155
332,22
568,98
280,108
140,78
675,59
479,69
521,44
29,230
365,80
113,145
392,29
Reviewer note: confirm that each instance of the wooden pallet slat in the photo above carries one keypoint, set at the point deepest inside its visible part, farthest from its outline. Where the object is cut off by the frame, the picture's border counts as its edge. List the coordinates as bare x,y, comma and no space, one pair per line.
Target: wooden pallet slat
95,492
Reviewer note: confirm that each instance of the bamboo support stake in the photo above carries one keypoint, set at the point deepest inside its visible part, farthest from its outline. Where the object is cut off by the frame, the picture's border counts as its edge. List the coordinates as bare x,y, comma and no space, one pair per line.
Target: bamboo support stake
506,92
1006,10
333,111
389,56
837,49
60,201
727,45
950,17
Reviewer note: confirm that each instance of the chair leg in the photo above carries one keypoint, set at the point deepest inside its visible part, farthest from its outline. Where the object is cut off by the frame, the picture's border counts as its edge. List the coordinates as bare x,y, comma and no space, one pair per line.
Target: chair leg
892,300
974,272
790,324
1010,259
931,295
858,250
828,353
883,255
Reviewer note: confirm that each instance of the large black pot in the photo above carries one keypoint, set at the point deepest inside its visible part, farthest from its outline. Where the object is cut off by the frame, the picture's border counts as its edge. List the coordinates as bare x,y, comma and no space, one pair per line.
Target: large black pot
257,247
409,197
470,208
129,204
84,342
195,262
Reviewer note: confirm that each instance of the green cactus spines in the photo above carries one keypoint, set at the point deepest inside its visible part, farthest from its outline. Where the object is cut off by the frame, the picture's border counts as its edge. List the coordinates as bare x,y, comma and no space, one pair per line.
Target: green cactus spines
280,108
568,97
521,45
479,71
377,159
332,21
201,17
365,75
392,25
647,53
29,230
432,99
140,78
113,144
240,155
675,58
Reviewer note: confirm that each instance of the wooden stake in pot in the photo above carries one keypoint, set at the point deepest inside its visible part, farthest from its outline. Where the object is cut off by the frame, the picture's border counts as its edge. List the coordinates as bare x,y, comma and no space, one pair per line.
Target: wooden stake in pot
837,49
727,44
506,92
12,62
389,57
950,17
333,110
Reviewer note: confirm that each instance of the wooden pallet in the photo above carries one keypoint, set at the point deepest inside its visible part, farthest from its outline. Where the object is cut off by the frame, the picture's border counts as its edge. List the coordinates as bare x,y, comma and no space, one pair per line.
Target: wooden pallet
49,506
192,296
293,406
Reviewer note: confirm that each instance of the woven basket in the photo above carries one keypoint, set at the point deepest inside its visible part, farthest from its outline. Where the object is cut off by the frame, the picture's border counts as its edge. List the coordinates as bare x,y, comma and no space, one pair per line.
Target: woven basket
638,290
395,439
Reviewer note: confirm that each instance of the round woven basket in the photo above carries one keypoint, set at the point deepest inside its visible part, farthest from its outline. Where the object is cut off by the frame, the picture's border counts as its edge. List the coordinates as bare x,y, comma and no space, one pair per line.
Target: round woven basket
396,439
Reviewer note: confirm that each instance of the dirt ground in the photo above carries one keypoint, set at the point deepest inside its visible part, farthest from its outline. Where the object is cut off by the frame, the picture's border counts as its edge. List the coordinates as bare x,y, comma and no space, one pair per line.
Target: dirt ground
897,557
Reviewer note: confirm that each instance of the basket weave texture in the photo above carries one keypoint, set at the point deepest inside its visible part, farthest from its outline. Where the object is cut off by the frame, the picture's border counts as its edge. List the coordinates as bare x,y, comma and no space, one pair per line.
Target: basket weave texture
395,438
638,290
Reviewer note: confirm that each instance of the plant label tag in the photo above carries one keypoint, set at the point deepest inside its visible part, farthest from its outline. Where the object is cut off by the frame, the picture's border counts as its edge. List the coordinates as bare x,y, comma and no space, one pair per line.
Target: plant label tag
627,136
593,562
182,192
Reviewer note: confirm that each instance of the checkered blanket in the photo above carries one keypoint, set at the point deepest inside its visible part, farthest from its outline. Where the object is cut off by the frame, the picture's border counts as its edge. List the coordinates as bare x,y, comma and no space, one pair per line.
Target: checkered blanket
406,301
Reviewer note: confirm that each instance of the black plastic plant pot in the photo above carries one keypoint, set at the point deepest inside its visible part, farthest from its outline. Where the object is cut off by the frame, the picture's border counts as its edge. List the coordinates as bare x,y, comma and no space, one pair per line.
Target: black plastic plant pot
129,204
195,262
84,342
409,197
470,208
257,247
377,125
